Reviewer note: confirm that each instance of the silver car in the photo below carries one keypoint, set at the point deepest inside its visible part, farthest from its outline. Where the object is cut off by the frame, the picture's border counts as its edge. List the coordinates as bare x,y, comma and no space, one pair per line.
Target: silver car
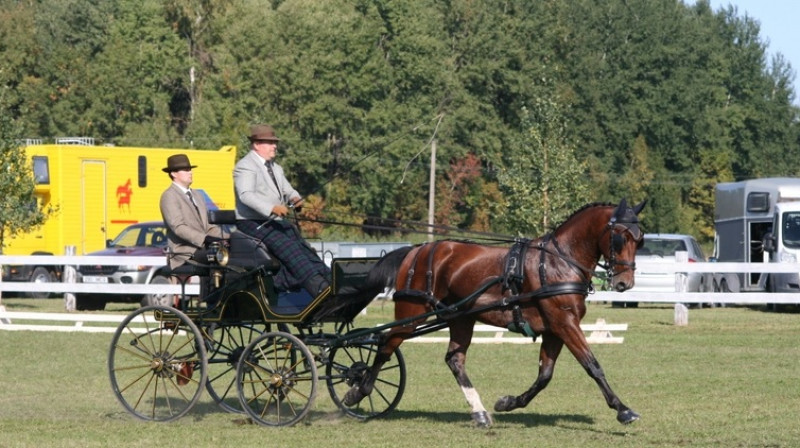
661,248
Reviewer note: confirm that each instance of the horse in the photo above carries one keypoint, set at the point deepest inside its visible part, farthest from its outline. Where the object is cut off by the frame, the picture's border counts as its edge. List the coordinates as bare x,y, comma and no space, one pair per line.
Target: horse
537,287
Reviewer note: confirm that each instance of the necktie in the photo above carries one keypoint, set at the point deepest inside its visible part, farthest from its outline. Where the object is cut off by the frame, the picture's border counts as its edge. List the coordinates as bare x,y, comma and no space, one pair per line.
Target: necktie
191,199
272,175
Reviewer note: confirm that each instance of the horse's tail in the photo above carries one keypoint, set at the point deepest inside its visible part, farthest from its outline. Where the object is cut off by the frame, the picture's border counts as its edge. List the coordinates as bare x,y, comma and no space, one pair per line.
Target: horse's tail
383,275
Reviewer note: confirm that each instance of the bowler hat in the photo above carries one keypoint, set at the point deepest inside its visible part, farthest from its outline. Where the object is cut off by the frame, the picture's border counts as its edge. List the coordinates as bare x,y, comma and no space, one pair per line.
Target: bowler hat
263,132
178,162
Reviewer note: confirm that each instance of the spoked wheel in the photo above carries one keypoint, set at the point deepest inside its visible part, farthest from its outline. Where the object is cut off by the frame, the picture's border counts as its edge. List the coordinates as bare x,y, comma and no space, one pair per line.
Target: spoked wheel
157,363
347,367
277,379
225,346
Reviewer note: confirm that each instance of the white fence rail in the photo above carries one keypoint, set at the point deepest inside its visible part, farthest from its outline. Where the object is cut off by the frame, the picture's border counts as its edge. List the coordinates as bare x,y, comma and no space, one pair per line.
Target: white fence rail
600,296
82,260
599,332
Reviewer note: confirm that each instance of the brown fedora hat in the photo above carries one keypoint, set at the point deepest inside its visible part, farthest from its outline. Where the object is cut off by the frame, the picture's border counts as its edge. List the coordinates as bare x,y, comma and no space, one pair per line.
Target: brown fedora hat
178,162
263,132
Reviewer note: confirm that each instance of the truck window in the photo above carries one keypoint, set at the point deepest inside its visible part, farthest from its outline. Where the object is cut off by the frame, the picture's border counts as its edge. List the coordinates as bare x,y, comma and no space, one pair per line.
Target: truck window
758,202
41,170
142,162
791,230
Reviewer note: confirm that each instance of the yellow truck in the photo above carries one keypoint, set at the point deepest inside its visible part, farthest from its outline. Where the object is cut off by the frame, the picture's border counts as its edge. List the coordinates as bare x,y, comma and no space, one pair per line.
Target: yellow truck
100,190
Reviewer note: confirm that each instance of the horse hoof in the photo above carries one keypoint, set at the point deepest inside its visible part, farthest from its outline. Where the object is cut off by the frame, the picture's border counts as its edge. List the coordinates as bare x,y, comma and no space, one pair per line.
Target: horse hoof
627,416
352,397
505,404
482,419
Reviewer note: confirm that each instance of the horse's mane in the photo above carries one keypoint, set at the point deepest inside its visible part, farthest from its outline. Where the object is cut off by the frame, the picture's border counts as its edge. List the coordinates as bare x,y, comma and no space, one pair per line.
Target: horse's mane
590,205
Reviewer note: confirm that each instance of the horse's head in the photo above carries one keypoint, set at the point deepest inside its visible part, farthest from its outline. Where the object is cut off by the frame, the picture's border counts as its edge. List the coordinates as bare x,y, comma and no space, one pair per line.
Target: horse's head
619,249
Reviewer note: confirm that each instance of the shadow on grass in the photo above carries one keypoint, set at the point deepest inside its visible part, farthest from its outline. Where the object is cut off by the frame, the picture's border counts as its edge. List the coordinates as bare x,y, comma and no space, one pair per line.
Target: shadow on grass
522,419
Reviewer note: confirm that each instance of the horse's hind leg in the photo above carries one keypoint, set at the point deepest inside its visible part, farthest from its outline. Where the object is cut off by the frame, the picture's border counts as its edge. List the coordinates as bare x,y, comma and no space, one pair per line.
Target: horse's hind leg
551,347
456,359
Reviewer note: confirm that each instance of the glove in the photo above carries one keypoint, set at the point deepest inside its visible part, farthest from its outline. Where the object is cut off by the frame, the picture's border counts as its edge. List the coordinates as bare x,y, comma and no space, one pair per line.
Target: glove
211,239
297,204
280,210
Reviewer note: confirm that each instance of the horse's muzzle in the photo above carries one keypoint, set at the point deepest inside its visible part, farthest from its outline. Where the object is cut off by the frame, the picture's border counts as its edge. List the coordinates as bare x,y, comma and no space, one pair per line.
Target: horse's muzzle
621,287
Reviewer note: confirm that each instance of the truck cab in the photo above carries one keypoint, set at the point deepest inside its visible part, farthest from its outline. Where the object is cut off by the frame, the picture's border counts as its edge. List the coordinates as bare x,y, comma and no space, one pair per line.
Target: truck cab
757,221
782,245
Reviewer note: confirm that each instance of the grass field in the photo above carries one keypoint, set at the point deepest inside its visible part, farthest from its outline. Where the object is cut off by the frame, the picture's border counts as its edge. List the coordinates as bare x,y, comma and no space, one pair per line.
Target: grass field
728,379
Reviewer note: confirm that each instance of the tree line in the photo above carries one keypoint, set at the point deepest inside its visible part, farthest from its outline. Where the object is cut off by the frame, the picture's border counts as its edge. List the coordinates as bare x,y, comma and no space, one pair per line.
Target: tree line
536,107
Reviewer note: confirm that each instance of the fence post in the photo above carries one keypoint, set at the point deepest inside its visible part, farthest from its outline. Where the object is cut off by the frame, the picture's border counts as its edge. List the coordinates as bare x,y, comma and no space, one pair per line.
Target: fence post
2,307
681,280
70,276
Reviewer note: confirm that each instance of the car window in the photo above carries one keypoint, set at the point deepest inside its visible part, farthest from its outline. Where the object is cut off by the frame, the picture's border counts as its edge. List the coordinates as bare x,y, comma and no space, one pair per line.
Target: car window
155,237
661,246
149,236
698,251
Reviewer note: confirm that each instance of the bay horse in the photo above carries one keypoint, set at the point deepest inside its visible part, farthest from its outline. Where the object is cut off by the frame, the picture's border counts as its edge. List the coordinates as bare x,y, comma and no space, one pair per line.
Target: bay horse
538,287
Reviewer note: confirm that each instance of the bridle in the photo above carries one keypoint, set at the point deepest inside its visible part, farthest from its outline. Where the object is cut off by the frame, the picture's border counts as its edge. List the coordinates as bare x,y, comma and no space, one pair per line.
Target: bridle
616,241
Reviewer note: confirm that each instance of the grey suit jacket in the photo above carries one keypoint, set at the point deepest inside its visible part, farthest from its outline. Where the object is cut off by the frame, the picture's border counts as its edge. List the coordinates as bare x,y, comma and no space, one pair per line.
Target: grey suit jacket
186,231
256,193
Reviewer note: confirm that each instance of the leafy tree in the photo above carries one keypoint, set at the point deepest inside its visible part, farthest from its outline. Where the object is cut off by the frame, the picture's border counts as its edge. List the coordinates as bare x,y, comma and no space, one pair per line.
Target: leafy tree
19,211
637,177
546,182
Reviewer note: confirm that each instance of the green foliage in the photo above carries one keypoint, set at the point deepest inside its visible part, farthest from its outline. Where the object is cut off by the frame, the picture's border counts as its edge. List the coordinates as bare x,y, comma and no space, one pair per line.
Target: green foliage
19,210
659,98
544,182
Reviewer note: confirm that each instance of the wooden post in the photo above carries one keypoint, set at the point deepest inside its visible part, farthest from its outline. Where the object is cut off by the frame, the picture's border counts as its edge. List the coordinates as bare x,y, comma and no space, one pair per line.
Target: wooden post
681,279
431,191
69,276
681,315
2,307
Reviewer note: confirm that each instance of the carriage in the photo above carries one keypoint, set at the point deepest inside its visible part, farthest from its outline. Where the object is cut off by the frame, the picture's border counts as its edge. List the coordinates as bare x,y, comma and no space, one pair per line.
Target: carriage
264,353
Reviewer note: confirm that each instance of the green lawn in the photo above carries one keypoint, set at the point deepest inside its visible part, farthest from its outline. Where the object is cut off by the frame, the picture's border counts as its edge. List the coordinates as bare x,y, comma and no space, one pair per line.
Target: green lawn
728,379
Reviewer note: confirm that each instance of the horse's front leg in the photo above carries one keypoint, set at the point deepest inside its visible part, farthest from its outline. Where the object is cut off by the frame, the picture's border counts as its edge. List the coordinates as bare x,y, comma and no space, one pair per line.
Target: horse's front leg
576,342
551,348
456,360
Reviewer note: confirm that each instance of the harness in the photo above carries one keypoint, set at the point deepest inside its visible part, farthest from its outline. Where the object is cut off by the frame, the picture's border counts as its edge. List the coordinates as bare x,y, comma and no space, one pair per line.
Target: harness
512,278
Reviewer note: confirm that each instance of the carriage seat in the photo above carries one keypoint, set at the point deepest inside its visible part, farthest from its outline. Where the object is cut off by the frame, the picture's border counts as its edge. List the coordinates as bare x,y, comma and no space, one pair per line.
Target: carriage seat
248,252
244,251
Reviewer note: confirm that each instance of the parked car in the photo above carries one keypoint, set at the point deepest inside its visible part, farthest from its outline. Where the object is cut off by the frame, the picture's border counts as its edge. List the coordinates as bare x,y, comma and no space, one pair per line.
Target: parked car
146,239
661,248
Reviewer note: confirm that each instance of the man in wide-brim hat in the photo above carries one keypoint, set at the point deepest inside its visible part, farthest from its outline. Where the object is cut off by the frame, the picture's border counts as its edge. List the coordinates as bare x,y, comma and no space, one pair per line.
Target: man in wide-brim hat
263,133
185,214
263,199
178,162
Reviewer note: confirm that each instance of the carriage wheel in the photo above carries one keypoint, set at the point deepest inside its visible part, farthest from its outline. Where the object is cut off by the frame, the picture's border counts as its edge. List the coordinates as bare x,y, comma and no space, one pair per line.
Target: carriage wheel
347,367
226,344
277,379
157,363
